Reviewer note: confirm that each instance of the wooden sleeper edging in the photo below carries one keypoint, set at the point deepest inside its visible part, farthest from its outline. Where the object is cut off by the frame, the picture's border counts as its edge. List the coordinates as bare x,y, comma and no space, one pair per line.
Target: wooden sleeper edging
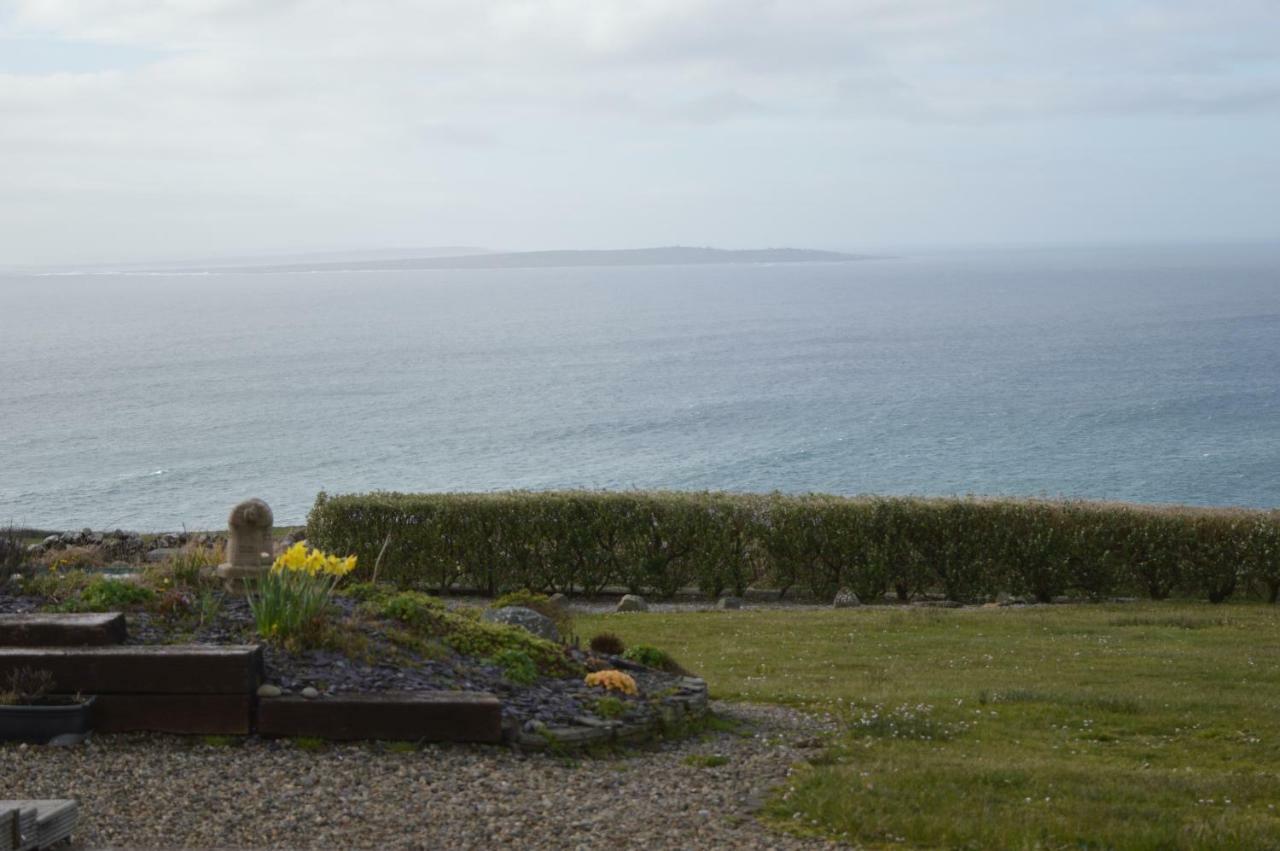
184,714
444,716
47,629
143,669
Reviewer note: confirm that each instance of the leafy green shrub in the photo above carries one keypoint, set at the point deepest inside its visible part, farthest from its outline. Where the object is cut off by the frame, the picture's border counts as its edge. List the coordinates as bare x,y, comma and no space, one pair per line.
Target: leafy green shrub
659,543
1262,555
652,657
516,666
608,644
107,595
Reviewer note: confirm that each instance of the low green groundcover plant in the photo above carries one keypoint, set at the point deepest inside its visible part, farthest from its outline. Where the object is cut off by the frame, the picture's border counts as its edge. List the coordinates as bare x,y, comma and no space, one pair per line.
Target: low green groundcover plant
428,619
653,658
100,594
517,666
610,707
1139,726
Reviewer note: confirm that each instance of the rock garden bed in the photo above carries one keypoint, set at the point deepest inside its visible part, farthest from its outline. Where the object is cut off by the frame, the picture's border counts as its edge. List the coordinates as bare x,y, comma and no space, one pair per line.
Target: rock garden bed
367,640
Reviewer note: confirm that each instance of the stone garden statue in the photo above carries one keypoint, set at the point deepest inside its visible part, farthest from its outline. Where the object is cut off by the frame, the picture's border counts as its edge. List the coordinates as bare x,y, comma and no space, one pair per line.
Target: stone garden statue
249,544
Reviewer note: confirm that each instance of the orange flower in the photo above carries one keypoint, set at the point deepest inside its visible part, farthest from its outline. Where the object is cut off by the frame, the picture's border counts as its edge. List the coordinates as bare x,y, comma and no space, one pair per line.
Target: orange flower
613,681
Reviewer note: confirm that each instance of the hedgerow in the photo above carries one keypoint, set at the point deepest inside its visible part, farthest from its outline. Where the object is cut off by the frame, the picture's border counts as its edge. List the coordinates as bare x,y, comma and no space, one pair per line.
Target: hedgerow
661,542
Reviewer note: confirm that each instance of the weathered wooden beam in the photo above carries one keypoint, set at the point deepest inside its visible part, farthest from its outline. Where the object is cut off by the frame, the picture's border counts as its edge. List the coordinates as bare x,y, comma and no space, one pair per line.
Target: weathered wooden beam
142,669
189,714
47,629
445,716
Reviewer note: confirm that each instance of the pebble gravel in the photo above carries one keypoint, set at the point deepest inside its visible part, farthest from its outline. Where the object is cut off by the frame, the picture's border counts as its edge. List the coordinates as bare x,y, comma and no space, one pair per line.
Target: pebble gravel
150,791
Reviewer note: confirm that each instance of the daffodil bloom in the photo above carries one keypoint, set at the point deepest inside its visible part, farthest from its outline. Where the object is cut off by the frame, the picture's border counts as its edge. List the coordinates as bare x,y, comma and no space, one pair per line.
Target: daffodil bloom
298,559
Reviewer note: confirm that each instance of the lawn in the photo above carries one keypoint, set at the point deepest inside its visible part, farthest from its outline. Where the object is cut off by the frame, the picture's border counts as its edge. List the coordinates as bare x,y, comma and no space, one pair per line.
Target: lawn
1146,726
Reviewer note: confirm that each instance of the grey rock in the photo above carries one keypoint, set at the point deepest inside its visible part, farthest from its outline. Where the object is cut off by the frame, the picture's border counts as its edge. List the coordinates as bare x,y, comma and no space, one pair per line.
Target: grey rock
729,603
632,603
66,740
577,735
527,619
269,690
161,554
845,599
310,693
559,601
588,721
52,540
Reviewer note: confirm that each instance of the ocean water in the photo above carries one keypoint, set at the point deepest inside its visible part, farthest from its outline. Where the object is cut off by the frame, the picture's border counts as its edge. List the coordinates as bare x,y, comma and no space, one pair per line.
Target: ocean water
157,402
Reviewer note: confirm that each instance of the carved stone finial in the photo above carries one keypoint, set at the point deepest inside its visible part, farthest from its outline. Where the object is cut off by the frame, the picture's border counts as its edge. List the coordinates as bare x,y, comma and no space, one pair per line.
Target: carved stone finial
249,544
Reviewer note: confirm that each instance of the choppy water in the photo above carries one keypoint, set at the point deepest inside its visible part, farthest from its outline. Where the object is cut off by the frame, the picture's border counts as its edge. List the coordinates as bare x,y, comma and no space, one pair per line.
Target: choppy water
154,402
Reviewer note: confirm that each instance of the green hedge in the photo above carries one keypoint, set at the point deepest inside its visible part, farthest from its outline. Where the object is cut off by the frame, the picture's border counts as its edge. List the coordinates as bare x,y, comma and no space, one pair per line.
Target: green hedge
660,542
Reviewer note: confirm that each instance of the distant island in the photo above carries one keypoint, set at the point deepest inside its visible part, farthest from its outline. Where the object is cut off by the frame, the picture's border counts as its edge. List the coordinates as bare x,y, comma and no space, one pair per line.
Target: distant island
671,256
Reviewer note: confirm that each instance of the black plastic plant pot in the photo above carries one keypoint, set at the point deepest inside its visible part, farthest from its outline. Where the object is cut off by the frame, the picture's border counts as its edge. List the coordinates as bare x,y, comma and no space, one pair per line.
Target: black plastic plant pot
39,723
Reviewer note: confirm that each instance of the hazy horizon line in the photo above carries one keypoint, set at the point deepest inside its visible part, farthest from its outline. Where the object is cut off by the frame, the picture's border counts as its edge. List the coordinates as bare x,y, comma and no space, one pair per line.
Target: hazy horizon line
208,261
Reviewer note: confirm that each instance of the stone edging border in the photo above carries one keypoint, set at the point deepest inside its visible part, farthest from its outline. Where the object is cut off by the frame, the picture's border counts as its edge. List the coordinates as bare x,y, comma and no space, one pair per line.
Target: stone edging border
689,704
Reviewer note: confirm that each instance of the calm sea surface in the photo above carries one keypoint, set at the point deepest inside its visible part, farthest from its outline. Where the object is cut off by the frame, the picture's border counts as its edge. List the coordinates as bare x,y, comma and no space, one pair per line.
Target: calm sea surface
154,402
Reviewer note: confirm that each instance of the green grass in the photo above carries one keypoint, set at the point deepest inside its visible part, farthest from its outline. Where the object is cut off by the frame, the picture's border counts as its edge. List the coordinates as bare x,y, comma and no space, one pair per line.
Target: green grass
310,743
402,747
1143,726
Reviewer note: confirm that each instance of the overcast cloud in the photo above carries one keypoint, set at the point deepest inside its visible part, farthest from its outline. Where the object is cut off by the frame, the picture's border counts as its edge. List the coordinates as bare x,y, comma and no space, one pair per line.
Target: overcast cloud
141,129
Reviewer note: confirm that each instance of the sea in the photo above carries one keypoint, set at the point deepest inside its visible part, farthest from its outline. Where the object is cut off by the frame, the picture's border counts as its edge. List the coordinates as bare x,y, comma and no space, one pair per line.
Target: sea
157,401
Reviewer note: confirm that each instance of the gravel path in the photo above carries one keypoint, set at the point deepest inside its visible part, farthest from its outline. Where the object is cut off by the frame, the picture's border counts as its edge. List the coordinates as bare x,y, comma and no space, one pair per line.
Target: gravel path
145,791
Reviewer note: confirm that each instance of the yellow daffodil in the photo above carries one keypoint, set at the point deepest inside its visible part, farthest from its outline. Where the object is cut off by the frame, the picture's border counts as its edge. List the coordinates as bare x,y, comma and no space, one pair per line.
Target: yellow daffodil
313,563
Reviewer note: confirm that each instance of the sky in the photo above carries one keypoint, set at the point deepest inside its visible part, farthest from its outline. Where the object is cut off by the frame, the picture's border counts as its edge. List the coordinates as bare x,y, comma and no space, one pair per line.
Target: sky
134,129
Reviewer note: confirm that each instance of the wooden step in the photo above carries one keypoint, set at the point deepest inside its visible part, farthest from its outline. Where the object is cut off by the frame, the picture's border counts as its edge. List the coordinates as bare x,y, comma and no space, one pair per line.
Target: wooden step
47,629
186,714
142,669
445,716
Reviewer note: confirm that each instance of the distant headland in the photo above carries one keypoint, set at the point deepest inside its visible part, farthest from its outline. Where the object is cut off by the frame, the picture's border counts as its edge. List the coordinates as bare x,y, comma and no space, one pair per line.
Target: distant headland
668,256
